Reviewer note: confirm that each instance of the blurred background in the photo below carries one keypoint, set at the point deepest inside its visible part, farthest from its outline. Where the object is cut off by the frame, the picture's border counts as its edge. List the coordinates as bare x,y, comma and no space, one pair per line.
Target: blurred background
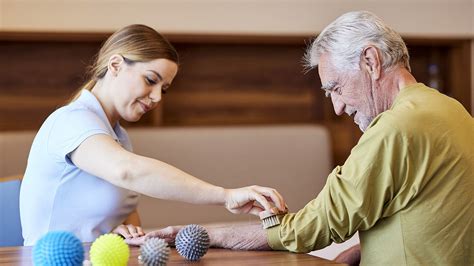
241,60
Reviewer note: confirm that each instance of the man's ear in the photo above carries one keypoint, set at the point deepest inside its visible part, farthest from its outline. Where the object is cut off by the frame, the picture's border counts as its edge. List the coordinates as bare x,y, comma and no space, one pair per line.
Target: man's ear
115,63
370,62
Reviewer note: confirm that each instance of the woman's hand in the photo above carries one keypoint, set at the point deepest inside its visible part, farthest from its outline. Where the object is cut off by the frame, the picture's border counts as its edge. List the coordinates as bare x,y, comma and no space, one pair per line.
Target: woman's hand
254,199
129,231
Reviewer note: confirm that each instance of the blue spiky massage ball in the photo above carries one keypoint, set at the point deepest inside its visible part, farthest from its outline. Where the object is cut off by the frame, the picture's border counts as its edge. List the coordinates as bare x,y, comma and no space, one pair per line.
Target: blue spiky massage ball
154,252
192,242
58,248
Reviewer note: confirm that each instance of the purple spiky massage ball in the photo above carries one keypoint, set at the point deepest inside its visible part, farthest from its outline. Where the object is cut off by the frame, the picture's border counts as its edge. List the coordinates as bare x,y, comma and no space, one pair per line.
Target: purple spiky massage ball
192,242
154,252
58,248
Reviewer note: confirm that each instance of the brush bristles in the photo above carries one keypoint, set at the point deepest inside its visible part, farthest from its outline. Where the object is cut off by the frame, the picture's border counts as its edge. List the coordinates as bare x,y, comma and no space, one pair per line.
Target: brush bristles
270,221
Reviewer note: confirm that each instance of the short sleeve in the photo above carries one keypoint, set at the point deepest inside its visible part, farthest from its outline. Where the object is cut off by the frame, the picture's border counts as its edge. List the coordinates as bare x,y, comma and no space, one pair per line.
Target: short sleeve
70,129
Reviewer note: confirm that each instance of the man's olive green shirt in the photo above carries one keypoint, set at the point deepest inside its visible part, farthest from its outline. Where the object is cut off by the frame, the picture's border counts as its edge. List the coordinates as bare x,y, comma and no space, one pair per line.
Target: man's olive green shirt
407,187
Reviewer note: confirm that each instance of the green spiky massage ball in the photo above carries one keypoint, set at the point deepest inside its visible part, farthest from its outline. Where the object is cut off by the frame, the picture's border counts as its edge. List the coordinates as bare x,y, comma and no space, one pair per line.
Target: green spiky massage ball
109,250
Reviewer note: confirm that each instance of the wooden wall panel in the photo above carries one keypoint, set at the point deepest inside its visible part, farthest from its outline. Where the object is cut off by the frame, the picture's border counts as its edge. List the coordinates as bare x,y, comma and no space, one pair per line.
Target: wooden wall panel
36,78
223,80
241,84
458,61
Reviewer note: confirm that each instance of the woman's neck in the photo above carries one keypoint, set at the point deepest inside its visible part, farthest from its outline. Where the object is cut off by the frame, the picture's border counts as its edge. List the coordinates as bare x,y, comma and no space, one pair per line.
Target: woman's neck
101,94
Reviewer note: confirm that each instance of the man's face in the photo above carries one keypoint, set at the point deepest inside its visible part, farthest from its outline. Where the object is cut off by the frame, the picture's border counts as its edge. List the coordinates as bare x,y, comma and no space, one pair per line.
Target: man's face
350,91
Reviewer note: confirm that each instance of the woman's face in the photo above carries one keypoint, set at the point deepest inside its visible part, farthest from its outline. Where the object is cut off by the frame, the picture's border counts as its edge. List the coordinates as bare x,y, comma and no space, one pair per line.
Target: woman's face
137,87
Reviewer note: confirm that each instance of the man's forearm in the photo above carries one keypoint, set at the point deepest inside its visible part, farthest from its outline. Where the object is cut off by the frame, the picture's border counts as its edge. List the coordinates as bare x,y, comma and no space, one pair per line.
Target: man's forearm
238,236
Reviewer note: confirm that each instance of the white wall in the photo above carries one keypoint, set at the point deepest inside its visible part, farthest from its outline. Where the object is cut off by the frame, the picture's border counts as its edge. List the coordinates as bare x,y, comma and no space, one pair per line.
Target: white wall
443,18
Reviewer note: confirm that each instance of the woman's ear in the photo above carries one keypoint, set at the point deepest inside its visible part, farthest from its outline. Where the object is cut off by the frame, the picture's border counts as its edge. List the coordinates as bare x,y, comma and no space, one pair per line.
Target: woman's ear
115,63
370,62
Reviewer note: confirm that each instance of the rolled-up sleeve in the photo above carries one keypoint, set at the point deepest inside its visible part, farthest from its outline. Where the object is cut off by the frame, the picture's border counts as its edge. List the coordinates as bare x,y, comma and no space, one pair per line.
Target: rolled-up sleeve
355,197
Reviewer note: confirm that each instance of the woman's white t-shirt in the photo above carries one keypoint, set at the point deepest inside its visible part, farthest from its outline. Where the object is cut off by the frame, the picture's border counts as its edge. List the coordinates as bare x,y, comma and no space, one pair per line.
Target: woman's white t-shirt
57,195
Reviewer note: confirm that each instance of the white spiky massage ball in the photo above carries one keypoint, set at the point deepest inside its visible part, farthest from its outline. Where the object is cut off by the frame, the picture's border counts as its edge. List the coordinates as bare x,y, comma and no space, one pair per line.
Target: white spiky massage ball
154,252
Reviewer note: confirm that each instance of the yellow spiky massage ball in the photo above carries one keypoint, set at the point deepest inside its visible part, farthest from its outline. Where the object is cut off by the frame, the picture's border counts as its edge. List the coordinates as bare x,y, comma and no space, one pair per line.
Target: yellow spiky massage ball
109,250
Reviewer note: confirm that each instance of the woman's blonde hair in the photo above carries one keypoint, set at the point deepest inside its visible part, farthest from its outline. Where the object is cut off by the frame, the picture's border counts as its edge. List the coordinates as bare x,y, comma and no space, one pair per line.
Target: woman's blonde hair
136,43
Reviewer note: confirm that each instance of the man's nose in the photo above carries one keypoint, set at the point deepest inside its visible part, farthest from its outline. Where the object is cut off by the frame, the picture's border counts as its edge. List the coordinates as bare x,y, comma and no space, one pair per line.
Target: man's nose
338,105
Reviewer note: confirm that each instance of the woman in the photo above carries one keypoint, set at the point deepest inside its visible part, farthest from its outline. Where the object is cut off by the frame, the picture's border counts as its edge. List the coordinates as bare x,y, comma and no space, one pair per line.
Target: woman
82,176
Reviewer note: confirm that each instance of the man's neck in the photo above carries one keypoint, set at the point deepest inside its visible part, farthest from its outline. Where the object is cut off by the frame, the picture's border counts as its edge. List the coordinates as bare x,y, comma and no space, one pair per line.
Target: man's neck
395,80
405,79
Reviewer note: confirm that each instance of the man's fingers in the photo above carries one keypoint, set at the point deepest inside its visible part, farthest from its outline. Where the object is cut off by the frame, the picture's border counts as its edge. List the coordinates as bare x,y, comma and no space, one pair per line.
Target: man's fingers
168,232
155,234
135,241
169,240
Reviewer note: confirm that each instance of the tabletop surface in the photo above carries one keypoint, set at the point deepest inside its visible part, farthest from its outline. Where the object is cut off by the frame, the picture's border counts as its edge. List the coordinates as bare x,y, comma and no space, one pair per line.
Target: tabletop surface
22,256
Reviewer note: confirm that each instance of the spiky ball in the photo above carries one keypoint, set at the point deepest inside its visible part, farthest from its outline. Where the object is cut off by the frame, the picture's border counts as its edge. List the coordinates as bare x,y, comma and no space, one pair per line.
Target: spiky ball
154,252
109,249
192,242
58,248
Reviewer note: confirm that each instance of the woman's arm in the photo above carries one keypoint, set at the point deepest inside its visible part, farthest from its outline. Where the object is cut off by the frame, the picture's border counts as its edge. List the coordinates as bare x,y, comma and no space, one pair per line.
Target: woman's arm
101,156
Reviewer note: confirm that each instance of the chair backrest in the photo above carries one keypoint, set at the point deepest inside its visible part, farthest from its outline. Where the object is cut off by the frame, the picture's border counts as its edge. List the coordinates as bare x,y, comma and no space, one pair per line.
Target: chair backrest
295,160
10,226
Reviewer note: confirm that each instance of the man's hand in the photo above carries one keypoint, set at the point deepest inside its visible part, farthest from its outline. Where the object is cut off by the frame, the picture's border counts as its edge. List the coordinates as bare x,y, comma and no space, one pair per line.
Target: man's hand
349,256
238,236
135,241
253,200
129,231
168,234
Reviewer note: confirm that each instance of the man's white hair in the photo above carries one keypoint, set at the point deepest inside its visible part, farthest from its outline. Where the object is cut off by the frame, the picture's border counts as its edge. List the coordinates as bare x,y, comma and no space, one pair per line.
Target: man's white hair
347,37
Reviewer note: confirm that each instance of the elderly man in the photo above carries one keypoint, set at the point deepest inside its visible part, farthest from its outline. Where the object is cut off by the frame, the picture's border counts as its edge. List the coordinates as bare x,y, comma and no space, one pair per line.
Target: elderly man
407,186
